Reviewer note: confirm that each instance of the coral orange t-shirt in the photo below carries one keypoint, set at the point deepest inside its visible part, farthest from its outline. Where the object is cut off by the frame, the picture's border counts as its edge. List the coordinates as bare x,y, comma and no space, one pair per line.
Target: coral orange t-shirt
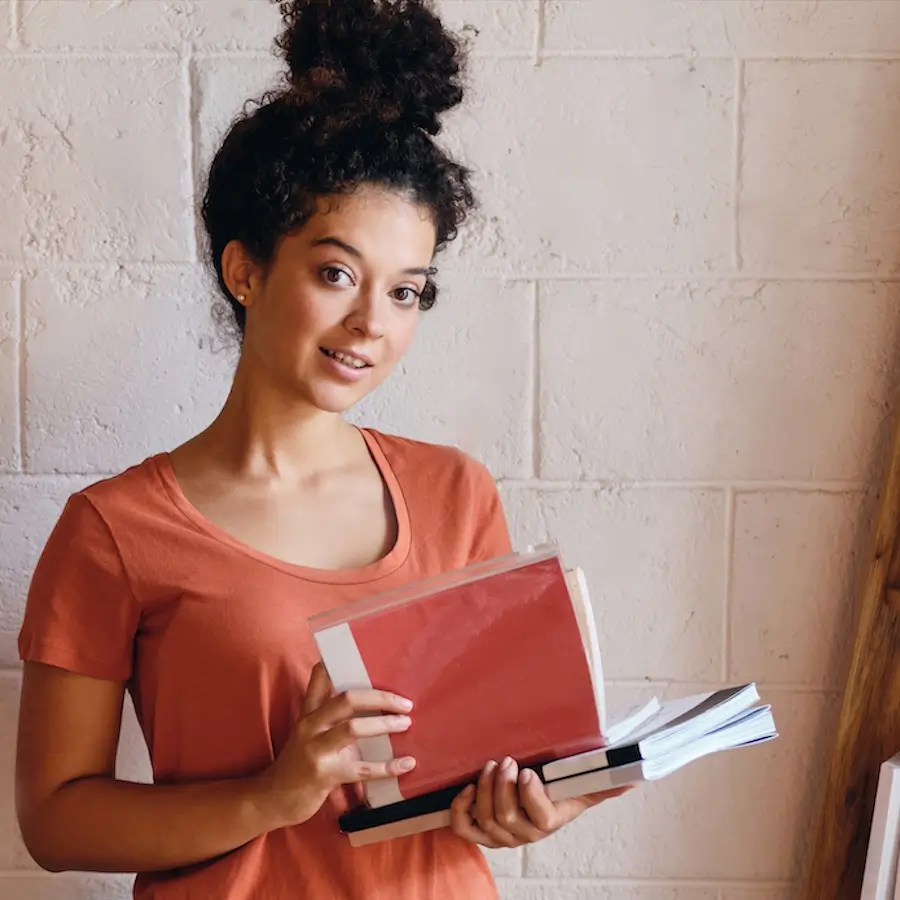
211,636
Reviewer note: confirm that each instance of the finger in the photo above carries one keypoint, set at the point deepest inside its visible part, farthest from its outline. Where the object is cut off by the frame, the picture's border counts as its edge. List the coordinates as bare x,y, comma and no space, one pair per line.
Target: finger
318,690
345,770
484,809
346,734
348,704
365,771
462,823
540,809
567,810
594,799
508,812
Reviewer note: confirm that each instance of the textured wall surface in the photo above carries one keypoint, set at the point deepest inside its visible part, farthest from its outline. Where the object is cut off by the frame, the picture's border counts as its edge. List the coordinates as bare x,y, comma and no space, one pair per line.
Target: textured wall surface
671,333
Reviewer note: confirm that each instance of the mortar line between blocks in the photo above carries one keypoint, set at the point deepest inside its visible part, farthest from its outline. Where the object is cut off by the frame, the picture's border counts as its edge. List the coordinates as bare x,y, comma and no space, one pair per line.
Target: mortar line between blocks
37,477
57,55
771,277
539,31
730,504
738,173
717,55
535,381
626,881
738,487
21,376
30,267
637,55
193,154
15,24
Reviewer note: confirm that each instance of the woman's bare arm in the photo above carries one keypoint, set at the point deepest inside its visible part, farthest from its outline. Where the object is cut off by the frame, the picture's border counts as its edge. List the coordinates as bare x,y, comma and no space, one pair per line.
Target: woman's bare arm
75,816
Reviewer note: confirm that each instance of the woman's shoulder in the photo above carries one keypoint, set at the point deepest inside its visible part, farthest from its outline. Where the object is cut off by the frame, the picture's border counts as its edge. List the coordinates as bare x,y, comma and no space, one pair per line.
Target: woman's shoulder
429,462
130,490
135,478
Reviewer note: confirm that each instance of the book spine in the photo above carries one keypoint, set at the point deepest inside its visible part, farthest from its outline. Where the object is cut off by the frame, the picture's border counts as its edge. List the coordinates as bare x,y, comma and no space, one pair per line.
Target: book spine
404,828
595,782
431,811
623,756
574,765
591,761
347,670
368,818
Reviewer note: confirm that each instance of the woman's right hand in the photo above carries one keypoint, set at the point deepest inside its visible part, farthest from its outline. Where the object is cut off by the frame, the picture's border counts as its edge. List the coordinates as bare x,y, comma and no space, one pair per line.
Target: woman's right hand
321,753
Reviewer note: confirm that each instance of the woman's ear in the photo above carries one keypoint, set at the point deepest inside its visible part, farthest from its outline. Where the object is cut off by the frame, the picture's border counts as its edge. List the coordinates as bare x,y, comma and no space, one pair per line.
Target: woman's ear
240,272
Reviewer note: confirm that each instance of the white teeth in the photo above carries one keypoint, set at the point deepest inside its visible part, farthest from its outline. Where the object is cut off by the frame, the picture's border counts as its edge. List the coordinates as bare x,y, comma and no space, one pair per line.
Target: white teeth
346,360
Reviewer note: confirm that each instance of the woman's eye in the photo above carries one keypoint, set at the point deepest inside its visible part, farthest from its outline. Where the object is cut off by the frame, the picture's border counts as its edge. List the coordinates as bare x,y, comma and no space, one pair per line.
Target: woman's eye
333,275
406,296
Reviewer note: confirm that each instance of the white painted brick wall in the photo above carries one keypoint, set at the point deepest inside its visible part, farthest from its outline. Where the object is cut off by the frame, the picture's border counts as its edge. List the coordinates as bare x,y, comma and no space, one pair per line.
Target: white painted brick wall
10,458
677,310
93,159
714,380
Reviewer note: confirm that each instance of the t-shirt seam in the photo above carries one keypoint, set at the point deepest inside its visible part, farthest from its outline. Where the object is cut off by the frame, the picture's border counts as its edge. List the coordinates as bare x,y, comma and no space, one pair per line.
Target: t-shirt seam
172,502
273,565
406,511
137,606
40,643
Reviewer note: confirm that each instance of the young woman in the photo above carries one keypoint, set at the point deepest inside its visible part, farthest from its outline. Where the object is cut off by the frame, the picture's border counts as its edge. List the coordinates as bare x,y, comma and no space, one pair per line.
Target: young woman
188,579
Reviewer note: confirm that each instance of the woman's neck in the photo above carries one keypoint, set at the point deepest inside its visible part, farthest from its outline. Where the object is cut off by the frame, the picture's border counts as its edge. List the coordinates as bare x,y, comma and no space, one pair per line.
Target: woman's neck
264,434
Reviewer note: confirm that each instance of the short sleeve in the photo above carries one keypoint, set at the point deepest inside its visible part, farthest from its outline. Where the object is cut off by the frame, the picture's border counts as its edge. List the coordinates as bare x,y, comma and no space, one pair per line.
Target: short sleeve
490,534
80,613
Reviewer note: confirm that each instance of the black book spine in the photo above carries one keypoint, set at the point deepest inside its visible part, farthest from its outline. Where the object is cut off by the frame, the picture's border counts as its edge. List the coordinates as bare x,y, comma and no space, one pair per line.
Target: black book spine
623,756
364,817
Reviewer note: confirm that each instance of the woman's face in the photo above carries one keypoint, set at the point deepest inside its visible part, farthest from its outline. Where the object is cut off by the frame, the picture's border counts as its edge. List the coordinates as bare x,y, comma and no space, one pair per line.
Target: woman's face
337,309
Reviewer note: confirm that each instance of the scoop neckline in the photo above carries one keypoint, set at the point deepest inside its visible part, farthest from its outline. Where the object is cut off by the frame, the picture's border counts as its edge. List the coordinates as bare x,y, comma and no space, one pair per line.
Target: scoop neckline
386,565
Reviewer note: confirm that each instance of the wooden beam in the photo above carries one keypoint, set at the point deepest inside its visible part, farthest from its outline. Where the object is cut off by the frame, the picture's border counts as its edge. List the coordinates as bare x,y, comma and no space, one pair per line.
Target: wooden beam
868,729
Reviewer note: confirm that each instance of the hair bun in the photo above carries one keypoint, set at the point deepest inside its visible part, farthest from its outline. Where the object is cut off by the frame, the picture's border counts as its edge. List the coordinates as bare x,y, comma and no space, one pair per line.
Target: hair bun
376,61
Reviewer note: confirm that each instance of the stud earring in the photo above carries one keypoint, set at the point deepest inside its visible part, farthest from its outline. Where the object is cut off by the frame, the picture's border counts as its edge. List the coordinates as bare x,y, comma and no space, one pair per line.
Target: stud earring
241,298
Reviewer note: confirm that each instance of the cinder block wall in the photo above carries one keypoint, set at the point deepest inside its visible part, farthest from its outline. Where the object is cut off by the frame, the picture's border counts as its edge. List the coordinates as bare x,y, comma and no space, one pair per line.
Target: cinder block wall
670,333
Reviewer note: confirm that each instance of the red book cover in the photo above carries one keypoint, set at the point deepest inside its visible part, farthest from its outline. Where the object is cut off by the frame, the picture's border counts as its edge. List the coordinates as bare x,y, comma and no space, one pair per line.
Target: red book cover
491,656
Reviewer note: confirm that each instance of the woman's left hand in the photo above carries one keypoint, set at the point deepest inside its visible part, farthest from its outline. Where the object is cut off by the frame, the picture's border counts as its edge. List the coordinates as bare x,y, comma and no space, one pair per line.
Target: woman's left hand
508,808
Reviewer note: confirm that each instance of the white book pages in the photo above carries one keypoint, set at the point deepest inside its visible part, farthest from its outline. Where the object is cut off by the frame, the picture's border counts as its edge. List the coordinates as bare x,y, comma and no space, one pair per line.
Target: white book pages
584,614
880,875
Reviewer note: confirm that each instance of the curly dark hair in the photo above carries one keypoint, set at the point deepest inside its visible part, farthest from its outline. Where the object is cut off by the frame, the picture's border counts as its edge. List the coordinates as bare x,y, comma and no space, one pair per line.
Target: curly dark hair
366,84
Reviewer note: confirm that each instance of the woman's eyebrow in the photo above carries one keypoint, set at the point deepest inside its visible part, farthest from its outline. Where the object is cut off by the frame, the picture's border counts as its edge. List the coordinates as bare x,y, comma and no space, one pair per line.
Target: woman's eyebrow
352,251
337,242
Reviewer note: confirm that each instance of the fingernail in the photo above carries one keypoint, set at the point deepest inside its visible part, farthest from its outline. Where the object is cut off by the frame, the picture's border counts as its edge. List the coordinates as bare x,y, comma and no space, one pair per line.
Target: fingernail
468,790
525,776
403,703
507,764
489,768
406,764
401,723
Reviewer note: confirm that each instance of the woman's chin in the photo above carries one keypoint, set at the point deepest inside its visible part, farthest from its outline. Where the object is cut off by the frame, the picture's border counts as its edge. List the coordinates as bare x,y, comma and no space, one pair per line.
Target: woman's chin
338,401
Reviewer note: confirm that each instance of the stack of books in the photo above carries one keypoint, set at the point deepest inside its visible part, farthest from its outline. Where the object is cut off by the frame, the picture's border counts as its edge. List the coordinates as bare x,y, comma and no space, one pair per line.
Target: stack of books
502,659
